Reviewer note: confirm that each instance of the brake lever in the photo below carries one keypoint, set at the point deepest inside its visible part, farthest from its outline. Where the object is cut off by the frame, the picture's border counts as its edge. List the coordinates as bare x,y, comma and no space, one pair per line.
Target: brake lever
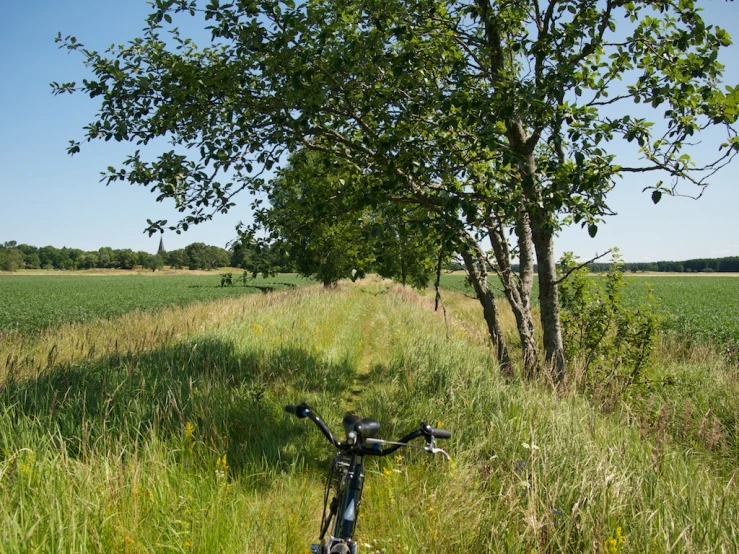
431,448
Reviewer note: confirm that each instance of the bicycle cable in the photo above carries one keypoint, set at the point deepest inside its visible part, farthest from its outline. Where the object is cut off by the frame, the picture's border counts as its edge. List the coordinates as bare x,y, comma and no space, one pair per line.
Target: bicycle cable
324,520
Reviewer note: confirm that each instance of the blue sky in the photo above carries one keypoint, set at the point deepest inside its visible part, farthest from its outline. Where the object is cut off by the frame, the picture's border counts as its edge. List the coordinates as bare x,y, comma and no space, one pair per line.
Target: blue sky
49,197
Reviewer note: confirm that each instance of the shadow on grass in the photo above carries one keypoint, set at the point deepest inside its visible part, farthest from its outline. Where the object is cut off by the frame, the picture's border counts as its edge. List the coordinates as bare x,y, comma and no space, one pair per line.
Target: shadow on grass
263,288
232,401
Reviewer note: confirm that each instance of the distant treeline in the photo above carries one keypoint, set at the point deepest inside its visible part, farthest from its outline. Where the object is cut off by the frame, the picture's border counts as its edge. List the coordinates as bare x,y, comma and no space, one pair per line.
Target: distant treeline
700,265
197,255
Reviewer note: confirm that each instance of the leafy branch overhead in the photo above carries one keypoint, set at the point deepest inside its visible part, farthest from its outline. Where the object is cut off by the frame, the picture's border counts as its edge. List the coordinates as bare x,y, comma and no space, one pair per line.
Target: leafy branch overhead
416,91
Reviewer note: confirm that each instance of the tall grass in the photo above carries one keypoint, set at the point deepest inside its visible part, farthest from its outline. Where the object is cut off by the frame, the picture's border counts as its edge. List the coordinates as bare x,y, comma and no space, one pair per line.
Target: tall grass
123,337
182,444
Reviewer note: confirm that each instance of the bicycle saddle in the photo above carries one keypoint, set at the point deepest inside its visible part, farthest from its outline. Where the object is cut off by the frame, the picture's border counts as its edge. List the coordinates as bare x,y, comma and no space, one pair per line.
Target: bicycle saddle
365,427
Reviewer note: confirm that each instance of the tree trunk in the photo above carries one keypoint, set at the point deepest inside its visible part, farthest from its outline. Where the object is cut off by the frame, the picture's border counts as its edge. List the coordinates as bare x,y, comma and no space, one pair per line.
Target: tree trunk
517,293
542,234
543,238
526,280
478,278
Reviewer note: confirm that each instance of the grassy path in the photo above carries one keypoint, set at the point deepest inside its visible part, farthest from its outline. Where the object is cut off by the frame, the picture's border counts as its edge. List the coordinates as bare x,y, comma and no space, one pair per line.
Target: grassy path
373,327
181,444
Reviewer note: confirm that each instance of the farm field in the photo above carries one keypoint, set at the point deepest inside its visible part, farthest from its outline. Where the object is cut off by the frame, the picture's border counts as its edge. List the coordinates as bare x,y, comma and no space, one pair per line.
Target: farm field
180,443
697,306
35,302
702,307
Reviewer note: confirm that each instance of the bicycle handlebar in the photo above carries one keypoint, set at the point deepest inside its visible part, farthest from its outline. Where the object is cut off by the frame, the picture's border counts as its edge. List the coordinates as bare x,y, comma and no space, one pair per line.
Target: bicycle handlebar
303,410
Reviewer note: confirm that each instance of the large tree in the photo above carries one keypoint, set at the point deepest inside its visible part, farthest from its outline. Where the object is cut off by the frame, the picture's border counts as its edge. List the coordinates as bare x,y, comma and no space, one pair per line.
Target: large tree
487,114
312,217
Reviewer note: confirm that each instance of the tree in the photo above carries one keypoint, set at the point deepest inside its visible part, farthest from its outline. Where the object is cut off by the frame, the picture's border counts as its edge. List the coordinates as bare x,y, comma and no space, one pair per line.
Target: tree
88,260
48,256
126,258
489,115
406,251
144,259
217,257
106,257
11,259
155,261
197,257
30,256
326,239
177,258
201,256
240,254
331,233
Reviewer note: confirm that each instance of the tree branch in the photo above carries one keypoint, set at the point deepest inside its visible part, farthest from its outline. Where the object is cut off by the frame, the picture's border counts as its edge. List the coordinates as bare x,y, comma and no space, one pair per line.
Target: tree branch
575,268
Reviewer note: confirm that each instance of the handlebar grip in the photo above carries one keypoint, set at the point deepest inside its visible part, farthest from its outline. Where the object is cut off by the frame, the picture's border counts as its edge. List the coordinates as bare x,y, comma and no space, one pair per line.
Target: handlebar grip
301,410
440,433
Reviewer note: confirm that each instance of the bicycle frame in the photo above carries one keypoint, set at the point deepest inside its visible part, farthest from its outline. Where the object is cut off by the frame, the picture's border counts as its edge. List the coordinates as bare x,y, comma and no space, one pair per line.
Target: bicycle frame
345,507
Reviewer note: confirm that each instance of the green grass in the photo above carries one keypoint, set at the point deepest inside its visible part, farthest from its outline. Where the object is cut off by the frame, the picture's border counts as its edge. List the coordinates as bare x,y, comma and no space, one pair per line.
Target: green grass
36,302
126,453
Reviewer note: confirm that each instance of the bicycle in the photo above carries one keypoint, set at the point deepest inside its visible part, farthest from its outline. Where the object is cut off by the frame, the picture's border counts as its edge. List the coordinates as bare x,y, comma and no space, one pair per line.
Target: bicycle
347,472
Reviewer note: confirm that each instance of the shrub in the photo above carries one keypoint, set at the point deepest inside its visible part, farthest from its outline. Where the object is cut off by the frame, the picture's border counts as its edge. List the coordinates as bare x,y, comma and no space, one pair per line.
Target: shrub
608,340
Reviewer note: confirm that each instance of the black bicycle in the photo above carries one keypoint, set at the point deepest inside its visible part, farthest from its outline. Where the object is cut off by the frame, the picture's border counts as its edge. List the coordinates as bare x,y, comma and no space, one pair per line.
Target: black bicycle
347,472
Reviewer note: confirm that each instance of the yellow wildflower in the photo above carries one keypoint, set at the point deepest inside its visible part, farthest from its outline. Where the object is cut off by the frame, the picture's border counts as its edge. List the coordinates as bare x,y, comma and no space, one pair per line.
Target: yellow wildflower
190,436
614,545
221,467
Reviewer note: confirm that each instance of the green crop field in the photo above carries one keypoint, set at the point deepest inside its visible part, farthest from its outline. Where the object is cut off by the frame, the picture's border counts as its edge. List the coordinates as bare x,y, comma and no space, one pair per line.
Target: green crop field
700,307
33,302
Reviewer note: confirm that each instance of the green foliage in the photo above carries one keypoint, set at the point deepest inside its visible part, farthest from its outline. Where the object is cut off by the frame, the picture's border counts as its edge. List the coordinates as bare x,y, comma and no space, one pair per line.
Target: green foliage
194,256
325,239
227,279
31,302
607,338
201,256
331,233
408,252
11,259
155,262
510,85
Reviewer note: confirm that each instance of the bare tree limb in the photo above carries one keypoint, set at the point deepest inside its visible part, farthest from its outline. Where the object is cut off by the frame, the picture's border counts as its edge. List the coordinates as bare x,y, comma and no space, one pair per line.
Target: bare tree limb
580,266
